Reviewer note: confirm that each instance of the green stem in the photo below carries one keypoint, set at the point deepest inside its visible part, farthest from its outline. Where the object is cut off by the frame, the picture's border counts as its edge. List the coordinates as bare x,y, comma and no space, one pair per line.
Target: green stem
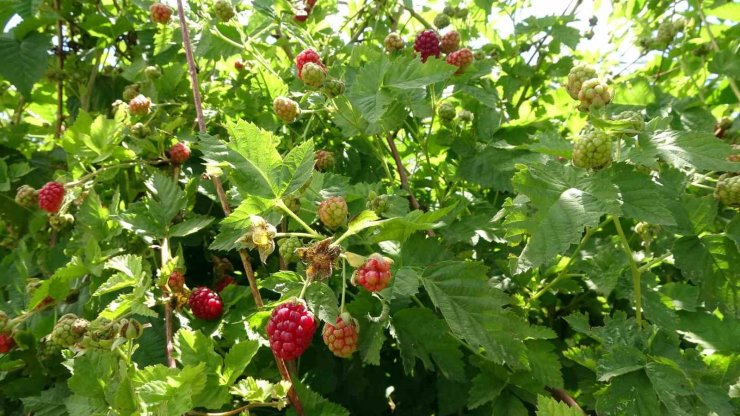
280,204
635,271
101,170
344,284
306,235
654,262
564,272
305,286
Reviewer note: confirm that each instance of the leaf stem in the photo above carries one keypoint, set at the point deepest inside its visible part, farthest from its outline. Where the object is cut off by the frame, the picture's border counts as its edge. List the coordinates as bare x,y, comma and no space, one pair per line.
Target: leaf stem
635,271
238,410
313,234
344,284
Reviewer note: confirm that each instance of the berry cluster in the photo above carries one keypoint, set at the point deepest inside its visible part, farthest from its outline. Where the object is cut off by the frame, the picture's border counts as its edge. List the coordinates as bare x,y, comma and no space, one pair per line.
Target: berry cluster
576,77
223,282
288,247
375,274
341,338
223,10
393,42
286,109
305,57
333,212
161,13
728,189
450,42
427,44
461,59
593,150
324,160
139,105
179,153
50,197
205,304
6,343
290,329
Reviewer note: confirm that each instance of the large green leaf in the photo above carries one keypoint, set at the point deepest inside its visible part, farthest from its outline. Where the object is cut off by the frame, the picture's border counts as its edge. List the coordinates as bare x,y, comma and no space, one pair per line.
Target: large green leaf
24,61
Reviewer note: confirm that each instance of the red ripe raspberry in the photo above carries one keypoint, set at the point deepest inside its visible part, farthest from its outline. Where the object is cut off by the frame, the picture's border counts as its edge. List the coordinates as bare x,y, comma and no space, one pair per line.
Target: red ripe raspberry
51,196
176,281
308,55
223,282
309,4
375,274
450,42
427,44
205,304
6,343
139,105
238,65
290,329
179,153
161,13
461,59
341,338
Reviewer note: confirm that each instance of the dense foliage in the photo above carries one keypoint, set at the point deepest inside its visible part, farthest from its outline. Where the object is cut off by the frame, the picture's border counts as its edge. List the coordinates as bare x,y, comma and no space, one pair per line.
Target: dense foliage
334,208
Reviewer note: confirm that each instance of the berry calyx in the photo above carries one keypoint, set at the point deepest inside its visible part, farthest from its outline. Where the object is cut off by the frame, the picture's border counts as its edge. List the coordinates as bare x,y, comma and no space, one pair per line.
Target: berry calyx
161,13
576,77
441,21
592,150
130,92
313,74
375,274
26,196
130,329
51,196
58,222
461,59
179,153
139,105
728,189
306,56
341,338
140,130
393,42
286,109
594,94
223,10
288,247
427,44
450,42
176,281
223,282
205,304
6,343
333,212
324,160
378,203
446,111
290,329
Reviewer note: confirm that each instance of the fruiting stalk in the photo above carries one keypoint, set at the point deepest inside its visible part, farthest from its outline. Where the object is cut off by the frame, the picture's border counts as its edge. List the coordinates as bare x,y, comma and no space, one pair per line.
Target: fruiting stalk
169,345
280,204
635,271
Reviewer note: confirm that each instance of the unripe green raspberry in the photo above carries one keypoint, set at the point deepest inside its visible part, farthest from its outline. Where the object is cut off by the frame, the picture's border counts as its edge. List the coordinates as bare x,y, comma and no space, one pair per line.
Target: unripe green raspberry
446,112
378,203
461,13
140,130
286,109
333,87
333,212
69,330
666,32
728,189
152,72
324,160
26,196
465,116
293,203
288,247
449,11
101,330
313,74
130,92
576,77
441,21
393,42
58,222
594,94
636,122
592,150
223,10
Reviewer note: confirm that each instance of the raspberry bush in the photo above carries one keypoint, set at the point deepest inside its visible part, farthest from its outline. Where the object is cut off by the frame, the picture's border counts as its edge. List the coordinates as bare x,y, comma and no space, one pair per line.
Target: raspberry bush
537,216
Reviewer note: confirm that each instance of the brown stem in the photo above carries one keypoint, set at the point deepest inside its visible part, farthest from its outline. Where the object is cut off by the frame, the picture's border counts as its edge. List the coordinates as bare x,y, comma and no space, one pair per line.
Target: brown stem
563,396
60,81
222,195
401,170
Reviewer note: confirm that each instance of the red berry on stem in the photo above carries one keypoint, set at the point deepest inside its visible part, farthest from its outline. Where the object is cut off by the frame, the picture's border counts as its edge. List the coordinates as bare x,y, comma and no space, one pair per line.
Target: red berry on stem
341,338
427,44
139,105
51,196
205,304
161,13
223,282
375,274
176,281
308,55
6,343
179,153
290,329
450,41
461,59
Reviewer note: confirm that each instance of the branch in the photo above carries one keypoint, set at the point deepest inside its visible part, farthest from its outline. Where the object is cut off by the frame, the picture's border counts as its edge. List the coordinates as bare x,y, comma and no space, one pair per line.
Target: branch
563,396
222,195
60,81
169,345
401,170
